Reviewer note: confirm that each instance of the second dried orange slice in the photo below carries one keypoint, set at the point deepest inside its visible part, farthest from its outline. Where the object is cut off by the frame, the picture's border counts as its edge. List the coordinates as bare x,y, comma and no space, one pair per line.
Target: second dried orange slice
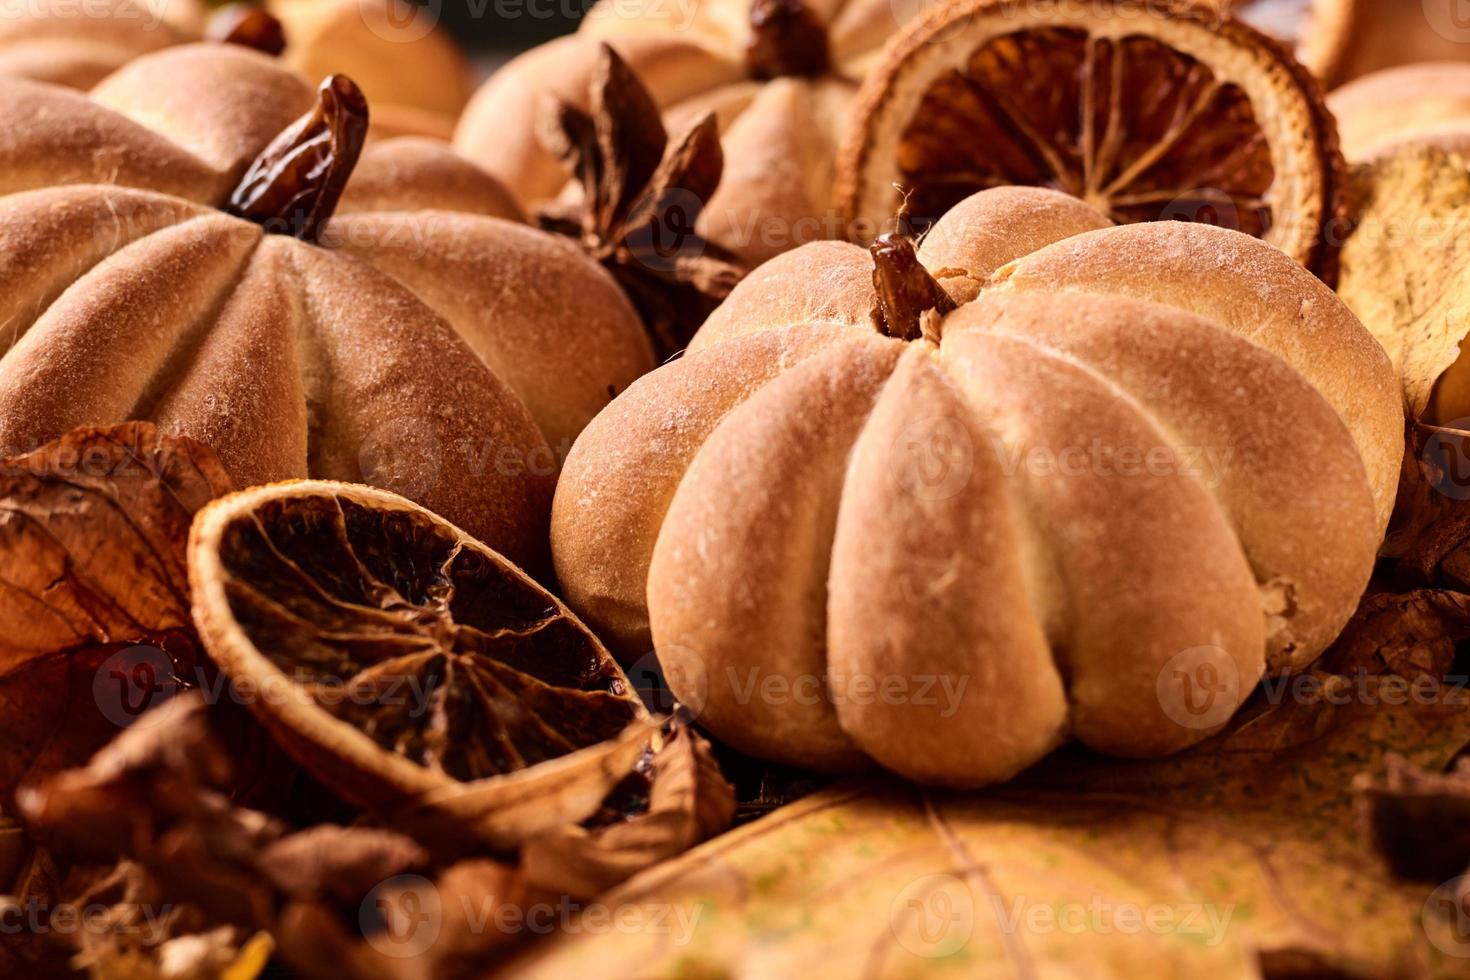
392,654
1147,109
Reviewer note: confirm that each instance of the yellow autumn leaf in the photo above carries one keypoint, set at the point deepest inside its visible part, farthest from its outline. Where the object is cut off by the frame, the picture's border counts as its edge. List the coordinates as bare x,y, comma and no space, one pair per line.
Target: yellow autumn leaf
1241,857
1406,273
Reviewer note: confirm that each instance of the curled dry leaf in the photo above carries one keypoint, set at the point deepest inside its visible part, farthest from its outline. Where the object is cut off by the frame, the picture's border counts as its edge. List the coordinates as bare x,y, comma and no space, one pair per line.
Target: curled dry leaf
678,799
639,204
93,528
1238,856
1405,271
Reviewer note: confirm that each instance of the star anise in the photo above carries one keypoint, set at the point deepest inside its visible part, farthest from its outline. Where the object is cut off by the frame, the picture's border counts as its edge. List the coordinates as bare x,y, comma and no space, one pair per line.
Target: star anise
640,201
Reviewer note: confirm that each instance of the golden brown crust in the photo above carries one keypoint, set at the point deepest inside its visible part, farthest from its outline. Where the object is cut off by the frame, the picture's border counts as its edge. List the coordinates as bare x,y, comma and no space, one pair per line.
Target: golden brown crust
414,173
1145,564
776,189
820,282
985,231
1073,497
78,45
545,318
1300,505
1389,108
928,583
1256,291
737,590
396,61
222,102
54,136
126,299
622,472
416,79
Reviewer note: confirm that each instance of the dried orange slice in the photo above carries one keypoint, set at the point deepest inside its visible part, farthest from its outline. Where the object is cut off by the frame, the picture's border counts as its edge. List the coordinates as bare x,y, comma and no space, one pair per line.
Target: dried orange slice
1317,30
1147,109
392,654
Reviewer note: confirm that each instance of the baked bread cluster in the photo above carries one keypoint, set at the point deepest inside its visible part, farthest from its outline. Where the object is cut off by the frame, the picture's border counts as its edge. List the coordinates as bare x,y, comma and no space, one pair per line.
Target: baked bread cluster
415,76
1103,449
427,341
780,76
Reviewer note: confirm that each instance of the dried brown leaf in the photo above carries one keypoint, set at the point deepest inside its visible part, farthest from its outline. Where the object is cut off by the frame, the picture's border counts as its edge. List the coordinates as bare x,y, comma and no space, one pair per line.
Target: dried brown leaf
638,205
689,801
1406,273
93,527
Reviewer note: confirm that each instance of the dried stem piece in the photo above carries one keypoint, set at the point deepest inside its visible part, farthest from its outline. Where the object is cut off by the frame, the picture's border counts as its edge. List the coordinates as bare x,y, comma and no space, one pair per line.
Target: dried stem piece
906,291
249,26
292,188
786,38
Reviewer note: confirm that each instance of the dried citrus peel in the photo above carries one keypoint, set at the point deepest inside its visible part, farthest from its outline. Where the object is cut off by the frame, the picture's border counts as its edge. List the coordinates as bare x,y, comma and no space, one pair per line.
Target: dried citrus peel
394,656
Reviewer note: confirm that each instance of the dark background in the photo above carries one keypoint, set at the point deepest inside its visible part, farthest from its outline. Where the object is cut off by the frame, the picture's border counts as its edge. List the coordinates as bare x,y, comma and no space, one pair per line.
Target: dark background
497,28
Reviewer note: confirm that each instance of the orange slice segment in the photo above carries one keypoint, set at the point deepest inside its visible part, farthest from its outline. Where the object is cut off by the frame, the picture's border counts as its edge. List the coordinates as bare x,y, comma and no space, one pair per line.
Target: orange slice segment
390,652
1146,109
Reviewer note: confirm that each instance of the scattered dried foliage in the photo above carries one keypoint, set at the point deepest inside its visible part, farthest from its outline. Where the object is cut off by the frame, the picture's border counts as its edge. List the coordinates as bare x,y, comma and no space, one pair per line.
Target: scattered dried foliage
193,844
638,204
